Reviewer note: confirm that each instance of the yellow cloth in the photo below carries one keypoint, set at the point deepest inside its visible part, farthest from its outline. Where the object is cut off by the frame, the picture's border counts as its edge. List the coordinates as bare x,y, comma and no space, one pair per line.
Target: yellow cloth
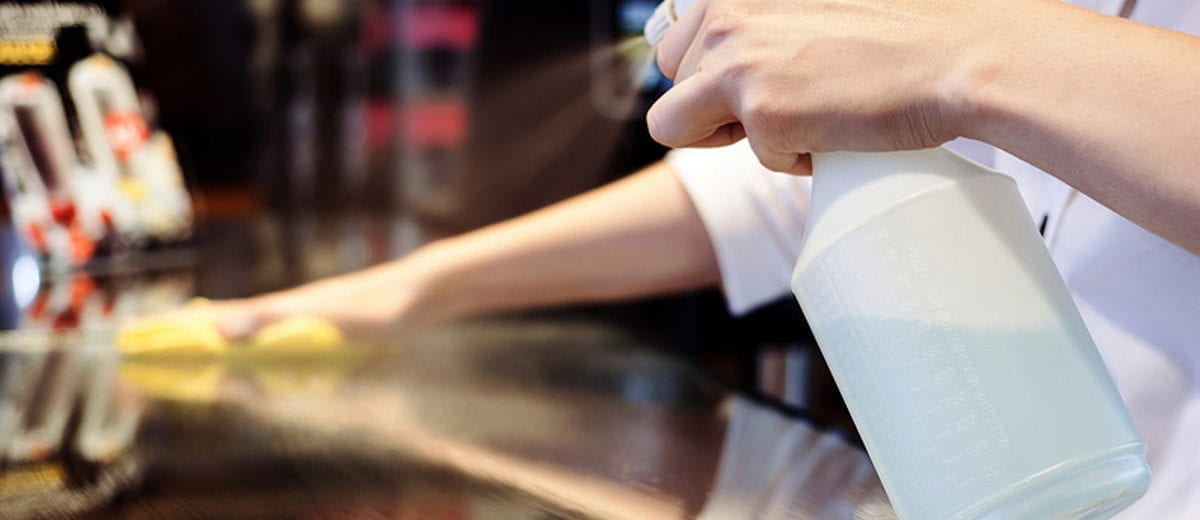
192,333
298,335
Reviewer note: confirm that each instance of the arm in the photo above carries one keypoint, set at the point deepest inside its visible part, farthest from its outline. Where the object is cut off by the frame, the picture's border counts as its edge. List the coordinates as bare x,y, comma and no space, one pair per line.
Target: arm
1108,105
1113,110
636,237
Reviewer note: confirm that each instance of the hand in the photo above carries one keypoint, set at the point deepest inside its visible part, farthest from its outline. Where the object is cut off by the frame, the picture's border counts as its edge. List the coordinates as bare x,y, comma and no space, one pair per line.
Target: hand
382,302
801,76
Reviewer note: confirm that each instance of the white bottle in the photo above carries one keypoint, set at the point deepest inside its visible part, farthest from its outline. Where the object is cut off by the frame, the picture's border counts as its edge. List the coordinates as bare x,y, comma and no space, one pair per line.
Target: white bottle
46,187
954,341
961,356
138,163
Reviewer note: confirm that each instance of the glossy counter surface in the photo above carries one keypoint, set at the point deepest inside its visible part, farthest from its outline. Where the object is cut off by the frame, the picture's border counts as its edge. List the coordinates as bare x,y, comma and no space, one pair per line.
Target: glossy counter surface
492,419
537,417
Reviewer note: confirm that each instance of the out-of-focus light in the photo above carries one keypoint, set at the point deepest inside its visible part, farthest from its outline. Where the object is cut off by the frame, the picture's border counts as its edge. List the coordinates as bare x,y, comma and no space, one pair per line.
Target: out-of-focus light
26,279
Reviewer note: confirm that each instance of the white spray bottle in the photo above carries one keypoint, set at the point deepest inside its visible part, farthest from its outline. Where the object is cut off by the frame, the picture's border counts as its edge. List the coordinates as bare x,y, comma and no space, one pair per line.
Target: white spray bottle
964,363
152,200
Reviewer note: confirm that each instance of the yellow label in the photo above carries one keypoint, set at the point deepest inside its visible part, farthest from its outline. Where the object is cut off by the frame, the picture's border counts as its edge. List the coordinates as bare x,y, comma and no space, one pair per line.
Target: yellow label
31,52
31,480
133,189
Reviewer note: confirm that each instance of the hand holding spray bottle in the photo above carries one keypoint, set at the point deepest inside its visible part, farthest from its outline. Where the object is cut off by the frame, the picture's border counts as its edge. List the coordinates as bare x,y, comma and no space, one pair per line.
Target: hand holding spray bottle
954,341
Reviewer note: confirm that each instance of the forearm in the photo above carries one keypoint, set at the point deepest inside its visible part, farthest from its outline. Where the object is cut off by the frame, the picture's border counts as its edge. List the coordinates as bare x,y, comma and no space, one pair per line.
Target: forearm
636,237
1110,106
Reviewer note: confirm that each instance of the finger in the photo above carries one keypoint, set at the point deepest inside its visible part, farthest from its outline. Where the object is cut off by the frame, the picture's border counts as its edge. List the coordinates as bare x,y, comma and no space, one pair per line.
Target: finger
783,162
675,44
690,112
726,135
689,65
803,165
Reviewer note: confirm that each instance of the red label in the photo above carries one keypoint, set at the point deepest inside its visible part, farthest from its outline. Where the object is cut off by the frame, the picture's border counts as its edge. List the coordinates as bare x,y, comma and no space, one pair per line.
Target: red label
62,211
435,124
425,26
37,236
381,125
126,131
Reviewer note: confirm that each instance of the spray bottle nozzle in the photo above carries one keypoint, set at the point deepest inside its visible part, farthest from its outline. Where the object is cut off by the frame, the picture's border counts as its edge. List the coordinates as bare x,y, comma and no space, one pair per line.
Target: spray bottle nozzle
660,22
665,15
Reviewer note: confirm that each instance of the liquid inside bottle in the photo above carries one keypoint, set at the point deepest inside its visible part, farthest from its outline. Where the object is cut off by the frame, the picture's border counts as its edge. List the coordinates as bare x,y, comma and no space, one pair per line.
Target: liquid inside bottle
960,354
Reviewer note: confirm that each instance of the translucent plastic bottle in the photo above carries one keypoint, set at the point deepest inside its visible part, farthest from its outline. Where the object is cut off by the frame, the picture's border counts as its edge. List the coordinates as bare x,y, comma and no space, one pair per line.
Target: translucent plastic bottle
960,354
954,341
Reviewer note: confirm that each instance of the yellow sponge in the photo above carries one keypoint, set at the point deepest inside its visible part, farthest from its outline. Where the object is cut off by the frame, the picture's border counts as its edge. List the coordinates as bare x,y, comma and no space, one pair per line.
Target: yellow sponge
298,335
191,332
184,333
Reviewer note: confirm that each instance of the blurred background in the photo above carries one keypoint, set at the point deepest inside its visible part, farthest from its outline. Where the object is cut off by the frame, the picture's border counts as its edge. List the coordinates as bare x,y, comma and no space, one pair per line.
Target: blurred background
318,137
155,151
460,113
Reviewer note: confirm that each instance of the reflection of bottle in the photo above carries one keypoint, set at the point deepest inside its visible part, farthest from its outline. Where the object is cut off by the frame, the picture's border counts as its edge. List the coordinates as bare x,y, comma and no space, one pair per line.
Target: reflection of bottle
774,467
66,427
109,413
45,400
955,343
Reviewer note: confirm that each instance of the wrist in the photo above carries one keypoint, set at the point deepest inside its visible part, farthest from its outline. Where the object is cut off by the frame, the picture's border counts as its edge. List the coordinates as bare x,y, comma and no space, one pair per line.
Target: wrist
981,93
436,290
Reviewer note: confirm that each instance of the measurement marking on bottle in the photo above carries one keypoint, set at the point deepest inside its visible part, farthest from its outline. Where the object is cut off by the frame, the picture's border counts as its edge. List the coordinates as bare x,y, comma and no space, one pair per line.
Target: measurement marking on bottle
913,356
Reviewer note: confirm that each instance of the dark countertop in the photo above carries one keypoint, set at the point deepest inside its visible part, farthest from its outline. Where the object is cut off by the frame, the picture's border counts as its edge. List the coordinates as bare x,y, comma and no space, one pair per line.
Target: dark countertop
557,416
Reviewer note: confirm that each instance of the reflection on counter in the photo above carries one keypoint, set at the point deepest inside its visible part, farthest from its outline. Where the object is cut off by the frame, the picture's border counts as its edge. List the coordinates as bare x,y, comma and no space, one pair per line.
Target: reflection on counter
67,425
513,418
773,467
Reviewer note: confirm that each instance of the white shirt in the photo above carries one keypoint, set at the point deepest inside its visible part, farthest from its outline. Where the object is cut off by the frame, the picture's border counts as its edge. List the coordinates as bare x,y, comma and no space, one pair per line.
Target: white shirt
1138,294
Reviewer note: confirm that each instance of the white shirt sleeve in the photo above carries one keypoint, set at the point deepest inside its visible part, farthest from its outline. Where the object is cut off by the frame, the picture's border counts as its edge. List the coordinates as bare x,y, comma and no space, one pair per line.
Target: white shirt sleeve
754,217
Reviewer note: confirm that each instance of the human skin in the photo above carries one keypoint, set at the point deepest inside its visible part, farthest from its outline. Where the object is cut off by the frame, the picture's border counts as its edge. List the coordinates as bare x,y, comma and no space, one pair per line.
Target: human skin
1108,105
639,236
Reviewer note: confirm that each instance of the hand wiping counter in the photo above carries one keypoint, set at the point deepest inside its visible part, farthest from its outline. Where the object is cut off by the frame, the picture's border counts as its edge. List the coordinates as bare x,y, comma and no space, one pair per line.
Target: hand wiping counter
192,332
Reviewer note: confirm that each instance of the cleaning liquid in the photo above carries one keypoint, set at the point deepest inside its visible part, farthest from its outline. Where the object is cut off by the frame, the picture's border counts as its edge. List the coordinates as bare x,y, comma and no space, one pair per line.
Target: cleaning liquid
640,53
960,354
